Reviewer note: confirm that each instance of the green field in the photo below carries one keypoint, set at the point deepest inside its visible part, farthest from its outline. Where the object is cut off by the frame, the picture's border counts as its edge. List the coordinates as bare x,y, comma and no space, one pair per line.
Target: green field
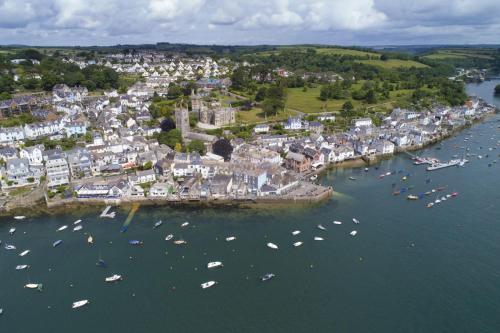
459,54
349,52
256,115
394,63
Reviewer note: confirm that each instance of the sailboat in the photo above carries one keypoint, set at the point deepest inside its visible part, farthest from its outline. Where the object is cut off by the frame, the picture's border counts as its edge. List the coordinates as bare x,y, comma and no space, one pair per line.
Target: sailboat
90,240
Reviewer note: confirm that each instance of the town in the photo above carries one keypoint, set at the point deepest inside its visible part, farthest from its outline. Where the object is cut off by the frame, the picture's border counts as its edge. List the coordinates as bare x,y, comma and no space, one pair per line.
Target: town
107,148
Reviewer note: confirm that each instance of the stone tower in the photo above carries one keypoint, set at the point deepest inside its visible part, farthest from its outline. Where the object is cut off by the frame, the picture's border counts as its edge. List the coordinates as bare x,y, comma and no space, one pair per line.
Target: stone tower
182,120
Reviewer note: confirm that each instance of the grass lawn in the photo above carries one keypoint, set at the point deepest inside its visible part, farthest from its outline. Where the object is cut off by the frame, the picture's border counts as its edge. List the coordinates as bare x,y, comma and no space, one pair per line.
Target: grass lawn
256,115
337,51
19,191
394,63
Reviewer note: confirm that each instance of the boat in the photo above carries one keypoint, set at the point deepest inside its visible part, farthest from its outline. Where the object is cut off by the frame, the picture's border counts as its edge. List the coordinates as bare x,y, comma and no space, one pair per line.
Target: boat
366,169
9,247
208,284
157,224
37,286
180,242
185,224
437,166
21,267
296,232
396,193
297,244
77,222
352,178
62,228
214,264
56,243
337,222
12,231
412,197
230,238
79,304
454,194
20,217
90,240
101,263
320,227
169,237
272,246
78,227
1,311
318,238
25,252
314,177
135,242
113,278
267,277
356,221
353,233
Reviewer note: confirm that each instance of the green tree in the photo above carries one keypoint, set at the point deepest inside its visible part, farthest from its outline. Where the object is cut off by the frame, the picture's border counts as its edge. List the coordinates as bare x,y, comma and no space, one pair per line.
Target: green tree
170,138
197,146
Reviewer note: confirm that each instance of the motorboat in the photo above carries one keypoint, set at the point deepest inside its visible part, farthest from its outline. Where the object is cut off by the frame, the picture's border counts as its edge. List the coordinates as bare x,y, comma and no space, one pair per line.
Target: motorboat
185,224
21,267
113,278
412,197
319,238
230,238
135,242
90,240
295,232
208,284
169,237
267,277
25,252
77,222
157,224
272,246
353,233
12,231
79,304
180,242
214,264
20,217
337,222
64,227
9,247
320,227
297,244
430,204
77,228
352,178
56,243
356,221
37,286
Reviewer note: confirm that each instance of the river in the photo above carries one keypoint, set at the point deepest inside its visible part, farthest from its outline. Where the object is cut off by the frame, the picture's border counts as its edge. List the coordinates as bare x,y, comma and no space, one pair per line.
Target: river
408,269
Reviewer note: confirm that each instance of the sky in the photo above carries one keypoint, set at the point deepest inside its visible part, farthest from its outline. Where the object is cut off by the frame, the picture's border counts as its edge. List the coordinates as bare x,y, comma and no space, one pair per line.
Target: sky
249,22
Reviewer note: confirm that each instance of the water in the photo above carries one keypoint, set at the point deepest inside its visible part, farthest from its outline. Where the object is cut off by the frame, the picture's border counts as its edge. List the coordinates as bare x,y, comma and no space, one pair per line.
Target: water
409,269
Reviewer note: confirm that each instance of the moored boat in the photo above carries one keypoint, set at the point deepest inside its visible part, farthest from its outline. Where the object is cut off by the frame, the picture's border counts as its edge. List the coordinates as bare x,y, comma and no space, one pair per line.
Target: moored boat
230,238
272,246
295,232
318,238
113,278
56,243
79,304
9,247
337,222
353,233
169,237
12,231
157,224
77,222
64,227
180,242
412,197
21,267
20,217
37,286
356,221
25,252
297,244
77,228
208,284
267,277
320,227
135,242
214,264
185,224
90,240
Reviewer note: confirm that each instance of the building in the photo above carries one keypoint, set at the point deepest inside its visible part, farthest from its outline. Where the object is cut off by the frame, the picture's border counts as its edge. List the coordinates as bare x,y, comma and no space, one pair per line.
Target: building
182,120
261,128
297,162
218,116
17,172
34,154
57,169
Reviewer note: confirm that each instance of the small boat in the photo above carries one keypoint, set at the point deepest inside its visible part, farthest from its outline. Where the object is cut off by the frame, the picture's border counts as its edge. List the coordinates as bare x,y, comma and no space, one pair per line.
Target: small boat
25,252
320,227
135,242
337,222
157,224
77,222
62,228
230,238
214,264
37,286
267,277
169,237
78,227
9,247
366,169
430,204
12,231
185,224
272,246
297,244
412,197
79,304
353,233
319,238
352,178
21,267
101,263
296,232
180,242
20,217
56,243
396,193
454,194
356,221
123,229
90,240
208,284
113,278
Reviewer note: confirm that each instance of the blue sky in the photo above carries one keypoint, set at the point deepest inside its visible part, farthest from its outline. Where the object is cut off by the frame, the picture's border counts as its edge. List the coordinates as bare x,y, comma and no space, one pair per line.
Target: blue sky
347,22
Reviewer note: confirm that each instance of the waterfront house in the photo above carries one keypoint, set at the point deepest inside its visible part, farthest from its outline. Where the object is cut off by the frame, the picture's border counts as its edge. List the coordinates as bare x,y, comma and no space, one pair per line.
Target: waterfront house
253,177
220,186
34,154
57,169
383,147
161,190
17,172
297,162
80,163
142,177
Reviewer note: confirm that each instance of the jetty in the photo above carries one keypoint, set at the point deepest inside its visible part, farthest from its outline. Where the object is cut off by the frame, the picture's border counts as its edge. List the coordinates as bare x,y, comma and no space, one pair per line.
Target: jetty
106,213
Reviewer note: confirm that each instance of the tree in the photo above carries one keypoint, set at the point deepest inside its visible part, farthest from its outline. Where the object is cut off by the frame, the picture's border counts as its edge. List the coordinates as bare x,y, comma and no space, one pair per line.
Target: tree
497,89
222,147
371,97
178,147
171,138
167,125
347,109
384,57
196,145
261,94
148,165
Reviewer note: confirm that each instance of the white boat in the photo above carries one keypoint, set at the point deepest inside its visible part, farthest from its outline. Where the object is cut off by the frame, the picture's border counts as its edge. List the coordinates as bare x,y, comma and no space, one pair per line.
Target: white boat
180,242
113,278
9,247
230,238
21,267
64,227
169,237
296,232
337,222
78,227
356,221
34,286
185,224
157,224
20,217
438,166
208,284
272,246
320,227
12,231
318,238
77,222
353,233
79,304
314,177
297,244
214,264
90,240
25,252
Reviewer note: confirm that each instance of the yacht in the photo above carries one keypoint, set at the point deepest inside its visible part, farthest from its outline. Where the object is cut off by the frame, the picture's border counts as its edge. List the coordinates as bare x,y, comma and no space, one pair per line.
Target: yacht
79,304
208,284
12,231
20,217
37,286
320,227
318,238
180,242
25,252
185,224
169,237
77,222
353,233
9,247
337,222
90,240
297,244
214,264
230,238
272,246
356,221
296,232
78,227
113,278
62,228
267,276
56,243
21,267
157,224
